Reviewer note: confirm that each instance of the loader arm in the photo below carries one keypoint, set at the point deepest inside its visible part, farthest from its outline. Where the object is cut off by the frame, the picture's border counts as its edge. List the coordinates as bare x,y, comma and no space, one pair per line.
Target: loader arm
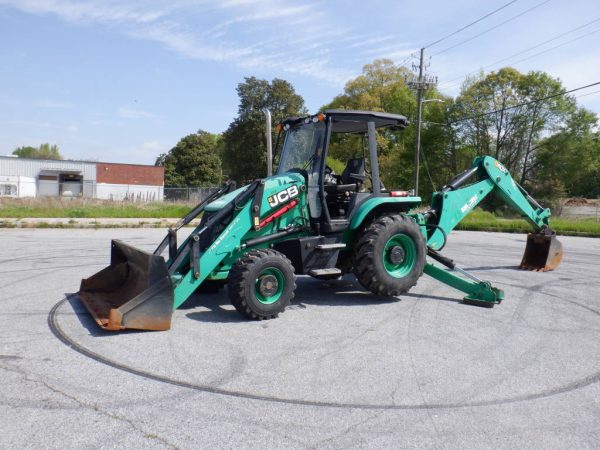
228,240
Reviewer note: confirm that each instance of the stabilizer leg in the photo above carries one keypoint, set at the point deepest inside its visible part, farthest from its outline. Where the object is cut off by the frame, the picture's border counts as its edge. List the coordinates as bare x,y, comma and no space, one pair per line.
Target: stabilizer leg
480,293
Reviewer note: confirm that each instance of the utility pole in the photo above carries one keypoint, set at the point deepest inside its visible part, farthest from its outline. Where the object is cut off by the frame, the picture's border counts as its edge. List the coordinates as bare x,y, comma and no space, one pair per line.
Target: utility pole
420,84
418,124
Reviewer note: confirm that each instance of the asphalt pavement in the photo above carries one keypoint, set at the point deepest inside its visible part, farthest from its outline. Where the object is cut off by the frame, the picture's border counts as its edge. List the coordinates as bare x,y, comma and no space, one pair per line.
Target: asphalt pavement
340,368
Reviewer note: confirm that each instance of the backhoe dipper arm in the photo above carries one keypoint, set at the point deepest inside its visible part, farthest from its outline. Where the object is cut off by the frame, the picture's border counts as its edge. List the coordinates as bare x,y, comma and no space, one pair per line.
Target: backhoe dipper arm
453,202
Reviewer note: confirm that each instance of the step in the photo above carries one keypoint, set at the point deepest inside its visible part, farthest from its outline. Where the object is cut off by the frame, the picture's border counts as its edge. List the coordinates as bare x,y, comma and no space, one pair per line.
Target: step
333,272
325,247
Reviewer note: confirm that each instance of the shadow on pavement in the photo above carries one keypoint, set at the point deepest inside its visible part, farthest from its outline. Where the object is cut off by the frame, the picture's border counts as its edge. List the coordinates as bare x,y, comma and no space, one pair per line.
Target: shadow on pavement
435,297
215,311
342,292
492,268
88,322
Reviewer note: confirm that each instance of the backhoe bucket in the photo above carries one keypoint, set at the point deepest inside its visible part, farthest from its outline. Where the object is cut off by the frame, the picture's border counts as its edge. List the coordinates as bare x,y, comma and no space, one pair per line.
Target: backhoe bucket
542,253
134,292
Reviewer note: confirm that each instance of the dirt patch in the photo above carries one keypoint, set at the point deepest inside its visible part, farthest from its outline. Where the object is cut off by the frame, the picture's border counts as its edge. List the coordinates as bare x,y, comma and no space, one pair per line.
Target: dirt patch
577,201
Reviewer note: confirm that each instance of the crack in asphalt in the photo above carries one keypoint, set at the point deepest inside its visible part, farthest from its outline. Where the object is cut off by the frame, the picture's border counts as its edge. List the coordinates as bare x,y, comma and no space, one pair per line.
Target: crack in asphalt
84,405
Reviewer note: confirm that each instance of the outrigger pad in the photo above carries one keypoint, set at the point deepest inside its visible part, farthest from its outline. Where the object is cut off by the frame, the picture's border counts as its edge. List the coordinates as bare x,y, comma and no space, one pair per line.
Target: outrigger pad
542,253
134,292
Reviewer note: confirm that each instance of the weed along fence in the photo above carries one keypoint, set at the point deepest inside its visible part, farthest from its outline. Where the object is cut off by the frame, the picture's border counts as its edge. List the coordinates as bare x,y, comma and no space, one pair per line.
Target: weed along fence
581,208
43,188
189,194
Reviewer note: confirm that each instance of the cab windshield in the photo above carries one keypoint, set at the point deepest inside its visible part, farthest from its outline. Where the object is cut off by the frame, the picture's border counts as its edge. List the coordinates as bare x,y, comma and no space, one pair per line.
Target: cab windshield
302,147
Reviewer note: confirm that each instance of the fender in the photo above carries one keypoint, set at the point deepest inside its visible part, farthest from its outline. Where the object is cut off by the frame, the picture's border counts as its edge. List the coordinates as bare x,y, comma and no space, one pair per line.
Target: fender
399,204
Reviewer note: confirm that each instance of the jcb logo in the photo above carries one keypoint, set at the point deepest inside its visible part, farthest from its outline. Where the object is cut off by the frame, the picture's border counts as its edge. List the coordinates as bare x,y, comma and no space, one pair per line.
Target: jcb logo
500,167
283,196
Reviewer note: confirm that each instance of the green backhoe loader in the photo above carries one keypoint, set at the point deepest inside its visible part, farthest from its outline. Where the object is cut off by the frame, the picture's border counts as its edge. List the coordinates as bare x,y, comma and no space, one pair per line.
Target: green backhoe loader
307,220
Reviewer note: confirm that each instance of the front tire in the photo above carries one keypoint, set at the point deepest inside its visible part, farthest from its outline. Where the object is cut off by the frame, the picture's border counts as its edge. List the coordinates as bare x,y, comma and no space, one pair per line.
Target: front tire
390,256
261,284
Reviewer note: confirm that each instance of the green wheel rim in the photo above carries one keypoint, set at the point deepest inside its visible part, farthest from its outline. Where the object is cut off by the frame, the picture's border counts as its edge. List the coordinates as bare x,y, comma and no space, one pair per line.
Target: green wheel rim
403,268
269,274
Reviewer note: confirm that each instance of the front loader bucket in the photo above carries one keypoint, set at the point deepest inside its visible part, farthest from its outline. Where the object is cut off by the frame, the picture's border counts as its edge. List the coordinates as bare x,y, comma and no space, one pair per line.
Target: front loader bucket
542,253
134,292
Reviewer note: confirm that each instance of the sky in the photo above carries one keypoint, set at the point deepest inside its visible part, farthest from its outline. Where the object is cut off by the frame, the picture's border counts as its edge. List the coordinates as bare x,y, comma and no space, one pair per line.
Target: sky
123,81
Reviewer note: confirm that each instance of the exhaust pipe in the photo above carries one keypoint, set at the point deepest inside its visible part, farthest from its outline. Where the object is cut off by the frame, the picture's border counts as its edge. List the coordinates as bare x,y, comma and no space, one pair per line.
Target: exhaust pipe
269,142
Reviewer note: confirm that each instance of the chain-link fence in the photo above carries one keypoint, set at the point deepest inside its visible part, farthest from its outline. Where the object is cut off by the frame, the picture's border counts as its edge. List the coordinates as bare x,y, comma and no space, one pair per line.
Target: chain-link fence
189,194
51,187
21,187
581,209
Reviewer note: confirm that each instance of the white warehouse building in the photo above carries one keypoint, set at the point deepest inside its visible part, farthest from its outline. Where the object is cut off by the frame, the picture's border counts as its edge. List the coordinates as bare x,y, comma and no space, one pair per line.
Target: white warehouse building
22,177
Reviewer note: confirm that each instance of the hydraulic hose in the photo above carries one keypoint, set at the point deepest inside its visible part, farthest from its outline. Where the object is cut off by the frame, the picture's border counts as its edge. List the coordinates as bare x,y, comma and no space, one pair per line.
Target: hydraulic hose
432,225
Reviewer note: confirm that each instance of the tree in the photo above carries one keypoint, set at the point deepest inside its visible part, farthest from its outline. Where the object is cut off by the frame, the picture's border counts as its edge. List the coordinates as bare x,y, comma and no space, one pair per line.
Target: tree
44,151
382,87
550,146
244,142
568,162
194,161
518,121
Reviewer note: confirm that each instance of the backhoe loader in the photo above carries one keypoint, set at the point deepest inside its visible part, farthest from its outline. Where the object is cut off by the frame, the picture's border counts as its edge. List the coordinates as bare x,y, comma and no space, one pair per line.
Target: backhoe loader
307,220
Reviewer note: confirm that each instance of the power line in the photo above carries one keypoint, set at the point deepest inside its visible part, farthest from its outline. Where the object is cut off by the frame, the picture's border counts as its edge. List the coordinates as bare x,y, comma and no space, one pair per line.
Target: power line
451,81
556,46
407,59
531,102
589,93
471,24
492,28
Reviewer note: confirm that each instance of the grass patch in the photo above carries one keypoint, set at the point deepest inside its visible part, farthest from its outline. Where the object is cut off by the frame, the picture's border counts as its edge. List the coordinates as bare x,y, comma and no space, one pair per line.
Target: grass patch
88,208
479,220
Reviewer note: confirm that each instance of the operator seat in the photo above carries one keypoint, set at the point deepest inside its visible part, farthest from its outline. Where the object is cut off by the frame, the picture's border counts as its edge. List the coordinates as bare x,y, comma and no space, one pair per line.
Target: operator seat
349,183
354,172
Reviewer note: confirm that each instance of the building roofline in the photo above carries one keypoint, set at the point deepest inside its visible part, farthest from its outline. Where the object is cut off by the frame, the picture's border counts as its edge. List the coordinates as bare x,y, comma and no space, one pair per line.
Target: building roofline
13,158
128,164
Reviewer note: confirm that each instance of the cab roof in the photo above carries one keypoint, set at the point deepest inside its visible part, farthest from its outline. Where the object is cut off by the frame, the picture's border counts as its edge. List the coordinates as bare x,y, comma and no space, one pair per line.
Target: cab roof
355,121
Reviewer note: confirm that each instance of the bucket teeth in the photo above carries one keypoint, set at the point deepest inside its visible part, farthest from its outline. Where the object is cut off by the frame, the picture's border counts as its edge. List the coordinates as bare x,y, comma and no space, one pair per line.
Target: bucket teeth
542,253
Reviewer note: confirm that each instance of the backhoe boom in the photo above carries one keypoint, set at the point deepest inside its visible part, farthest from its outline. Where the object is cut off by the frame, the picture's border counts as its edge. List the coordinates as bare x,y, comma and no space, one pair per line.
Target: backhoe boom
455,200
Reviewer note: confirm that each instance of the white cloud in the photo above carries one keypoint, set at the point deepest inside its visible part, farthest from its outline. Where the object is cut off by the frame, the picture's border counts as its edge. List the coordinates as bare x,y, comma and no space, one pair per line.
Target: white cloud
268,14
247,35
26,123
87,11
152,145
127,113
236,3
367,42
54,105
72,129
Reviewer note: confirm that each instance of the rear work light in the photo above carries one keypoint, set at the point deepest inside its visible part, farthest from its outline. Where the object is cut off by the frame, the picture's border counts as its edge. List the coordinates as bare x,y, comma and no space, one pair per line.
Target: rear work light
398,193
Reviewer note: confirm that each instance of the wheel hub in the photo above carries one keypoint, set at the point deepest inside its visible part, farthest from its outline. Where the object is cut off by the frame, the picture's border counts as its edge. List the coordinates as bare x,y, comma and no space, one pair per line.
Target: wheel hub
396,255
268,285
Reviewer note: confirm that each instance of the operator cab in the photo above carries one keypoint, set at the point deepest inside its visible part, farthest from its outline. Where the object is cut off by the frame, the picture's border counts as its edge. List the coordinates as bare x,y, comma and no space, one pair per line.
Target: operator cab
309,142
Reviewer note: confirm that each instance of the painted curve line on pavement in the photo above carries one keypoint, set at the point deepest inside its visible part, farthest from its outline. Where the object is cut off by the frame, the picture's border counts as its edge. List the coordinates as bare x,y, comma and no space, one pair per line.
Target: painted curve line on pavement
65,339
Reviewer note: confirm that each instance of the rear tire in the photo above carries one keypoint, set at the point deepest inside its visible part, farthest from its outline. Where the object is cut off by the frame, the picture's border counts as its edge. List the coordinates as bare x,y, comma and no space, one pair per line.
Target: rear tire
390,255
261,284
